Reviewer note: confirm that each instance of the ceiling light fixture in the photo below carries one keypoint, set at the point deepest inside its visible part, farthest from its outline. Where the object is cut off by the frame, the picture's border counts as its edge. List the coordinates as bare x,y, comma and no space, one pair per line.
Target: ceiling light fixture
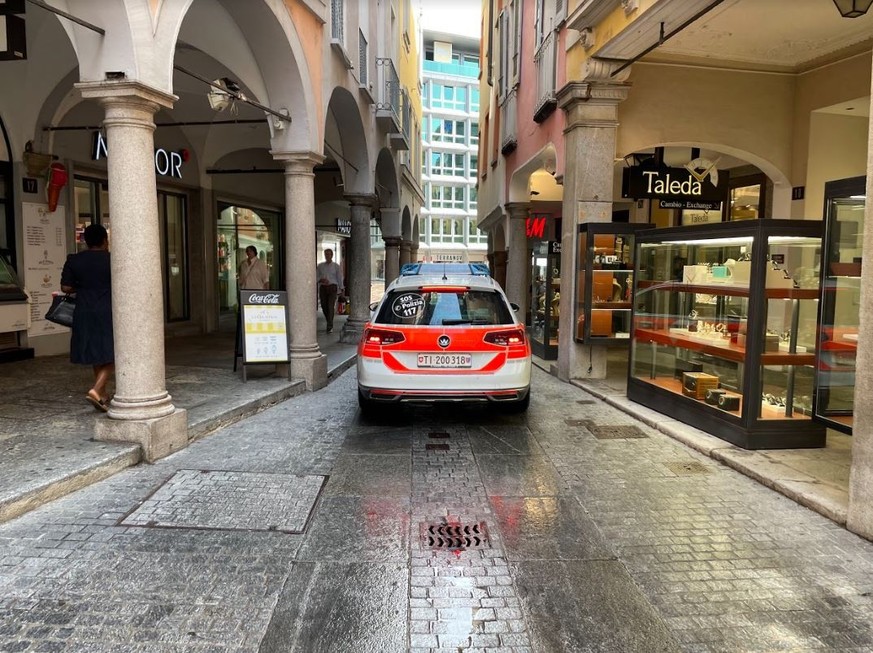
853,8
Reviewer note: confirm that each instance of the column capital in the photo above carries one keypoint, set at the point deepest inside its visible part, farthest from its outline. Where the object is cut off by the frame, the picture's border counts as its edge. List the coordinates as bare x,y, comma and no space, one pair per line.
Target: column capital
517,210
127,92
361,199
392,241
592,103
298,163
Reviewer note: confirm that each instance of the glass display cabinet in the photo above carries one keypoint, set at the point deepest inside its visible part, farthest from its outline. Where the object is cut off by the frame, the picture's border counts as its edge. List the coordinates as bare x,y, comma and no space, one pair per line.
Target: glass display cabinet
604,281
723,334
840,303
545,299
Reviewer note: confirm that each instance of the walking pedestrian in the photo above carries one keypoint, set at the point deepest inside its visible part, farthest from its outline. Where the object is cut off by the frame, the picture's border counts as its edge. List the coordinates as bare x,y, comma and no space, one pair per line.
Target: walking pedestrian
330,282
89,276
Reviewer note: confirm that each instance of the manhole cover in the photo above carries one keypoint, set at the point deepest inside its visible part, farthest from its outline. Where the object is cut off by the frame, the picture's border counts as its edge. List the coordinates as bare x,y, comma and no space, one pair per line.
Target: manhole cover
687,468
430,446
455,536
616,431
437,434
230,500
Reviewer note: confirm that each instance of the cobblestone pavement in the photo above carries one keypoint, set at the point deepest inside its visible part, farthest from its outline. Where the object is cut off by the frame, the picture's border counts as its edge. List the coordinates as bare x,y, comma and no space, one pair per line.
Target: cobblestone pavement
580,535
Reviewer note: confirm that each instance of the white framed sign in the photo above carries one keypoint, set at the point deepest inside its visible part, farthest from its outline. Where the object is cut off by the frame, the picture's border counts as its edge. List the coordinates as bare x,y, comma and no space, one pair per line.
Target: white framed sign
42,259
265,326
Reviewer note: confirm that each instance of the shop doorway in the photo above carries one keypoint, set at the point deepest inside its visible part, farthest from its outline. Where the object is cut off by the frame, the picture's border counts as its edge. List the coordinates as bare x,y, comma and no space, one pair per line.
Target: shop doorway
239,227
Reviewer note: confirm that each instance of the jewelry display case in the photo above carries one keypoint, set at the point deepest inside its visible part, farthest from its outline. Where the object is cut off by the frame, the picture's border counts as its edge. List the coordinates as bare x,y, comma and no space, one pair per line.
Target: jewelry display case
723,334
545,299
604,281
841,303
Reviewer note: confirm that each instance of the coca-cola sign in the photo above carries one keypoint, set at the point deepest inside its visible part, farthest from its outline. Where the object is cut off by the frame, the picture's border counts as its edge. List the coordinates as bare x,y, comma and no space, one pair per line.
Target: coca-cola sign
265,298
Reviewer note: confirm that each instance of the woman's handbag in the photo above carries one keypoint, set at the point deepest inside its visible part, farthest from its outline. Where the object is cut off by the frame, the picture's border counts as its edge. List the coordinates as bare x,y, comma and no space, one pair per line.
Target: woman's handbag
61,311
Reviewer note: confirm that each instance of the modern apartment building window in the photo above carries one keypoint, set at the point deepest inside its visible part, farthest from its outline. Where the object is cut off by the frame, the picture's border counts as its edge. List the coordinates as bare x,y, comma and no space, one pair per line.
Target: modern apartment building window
474,235
337,20
444,130
447,163
446,197
474,133
474,165
474,198
447,230
448,97
474,100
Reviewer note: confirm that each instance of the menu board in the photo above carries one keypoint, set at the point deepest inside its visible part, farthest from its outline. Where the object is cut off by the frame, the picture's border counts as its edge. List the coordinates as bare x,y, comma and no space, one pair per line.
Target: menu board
43,257
265,327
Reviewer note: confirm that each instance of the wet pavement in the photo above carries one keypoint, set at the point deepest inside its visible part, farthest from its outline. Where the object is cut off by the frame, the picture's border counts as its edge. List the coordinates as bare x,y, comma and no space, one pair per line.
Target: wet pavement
304,528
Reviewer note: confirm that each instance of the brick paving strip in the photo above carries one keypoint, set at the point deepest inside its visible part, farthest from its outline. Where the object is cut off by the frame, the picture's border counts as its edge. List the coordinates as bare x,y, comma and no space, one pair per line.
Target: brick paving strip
459,599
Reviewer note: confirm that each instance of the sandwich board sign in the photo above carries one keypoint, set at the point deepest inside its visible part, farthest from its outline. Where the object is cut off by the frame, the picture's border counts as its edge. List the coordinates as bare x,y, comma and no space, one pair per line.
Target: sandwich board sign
264,326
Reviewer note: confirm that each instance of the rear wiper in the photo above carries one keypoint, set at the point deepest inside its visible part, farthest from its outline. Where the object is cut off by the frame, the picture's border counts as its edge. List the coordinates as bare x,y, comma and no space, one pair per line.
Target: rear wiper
474,322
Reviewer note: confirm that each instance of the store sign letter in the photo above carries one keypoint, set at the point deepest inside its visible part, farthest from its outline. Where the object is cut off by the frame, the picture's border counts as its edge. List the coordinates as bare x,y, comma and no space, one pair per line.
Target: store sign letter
670,186
167,164
535,227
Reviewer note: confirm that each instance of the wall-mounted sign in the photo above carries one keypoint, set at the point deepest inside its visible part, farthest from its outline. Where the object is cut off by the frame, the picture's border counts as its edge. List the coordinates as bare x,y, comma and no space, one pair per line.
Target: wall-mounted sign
45,250
690,205
798,192
554,246
675,184
13,33
29,185
535,226
167,164
344,227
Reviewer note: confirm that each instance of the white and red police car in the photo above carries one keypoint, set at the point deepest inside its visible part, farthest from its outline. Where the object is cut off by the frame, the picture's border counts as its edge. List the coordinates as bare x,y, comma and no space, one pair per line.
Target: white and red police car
444,333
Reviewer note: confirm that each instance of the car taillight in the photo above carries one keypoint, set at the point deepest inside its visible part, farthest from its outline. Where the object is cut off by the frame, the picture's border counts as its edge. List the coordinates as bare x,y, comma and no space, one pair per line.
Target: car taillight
382,337
506,338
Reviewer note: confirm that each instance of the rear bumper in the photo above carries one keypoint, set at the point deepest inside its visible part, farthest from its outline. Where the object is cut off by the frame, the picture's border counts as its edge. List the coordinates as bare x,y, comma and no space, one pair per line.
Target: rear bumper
439,396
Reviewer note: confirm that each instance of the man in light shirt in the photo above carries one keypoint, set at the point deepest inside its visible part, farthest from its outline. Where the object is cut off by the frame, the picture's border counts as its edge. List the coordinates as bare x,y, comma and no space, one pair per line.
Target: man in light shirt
330,282
253,272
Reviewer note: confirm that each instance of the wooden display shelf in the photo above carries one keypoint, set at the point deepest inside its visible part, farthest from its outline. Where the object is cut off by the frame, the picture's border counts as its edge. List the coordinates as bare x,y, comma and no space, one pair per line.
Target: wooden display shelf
768,412
727,350
729,289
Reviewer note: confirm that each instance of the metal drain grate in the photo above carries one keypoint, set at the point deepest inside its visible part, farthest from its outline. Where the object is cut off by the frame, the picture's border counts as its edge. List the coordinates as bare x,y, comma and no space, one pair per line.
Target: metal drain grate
616,431
686,468
585,402
430,446
455,536
578,422
437,435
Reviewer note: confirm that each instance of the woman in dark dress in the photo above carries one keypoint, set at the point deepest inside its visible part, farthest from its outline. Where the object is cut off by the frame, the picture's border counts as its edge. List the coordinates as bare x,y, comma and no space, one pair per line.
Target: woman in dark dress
87,274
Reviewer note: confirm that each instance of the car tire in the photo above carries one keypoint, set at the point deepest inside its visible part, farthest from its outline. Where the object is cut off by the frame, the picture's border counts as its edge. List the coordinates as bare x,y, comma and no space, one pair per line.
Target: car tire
519,406
369,408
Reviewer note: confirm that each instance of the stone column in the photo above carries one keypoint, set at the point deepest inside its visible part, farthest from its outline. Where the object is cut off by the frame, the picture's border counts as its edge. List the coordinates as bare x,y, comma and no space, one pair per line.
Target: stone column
392,258
413,253
498,269
518,259
306,360
591,109
405,252
142,410
361,209
859,517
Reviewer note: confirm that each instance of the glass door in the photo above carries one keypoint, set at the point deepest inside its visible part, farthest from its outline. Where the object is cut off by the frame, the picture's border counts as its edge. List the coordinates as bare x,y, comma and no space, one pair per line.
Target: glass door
840,303
240,227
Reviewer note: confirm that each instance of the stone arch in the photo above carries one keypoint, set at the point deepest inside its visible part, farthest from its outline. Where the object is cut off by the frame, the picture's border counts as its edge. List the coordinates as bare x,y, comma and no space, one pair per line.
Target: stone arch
519,183
388,192
498,239
406,231
345,142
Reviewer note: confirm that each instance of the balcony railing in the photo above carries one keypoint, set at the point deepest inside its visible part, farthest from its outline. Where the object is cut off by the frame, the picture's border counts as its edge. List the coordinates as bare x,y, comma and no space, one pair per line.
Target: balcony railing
462,70
545,62
392,104
508,122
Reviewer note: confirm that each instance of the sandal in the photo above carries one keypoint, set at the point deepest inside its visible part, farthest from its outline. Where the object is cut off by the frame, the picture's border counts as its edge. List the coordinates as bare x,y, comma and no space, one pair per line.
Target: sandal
99,404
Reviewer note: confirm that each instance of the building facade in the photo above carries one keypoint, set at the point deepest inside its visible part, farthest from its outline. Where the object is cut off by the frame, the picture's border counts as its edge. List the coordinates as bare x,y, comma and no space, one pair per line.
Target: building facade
193,130
448,228
708,87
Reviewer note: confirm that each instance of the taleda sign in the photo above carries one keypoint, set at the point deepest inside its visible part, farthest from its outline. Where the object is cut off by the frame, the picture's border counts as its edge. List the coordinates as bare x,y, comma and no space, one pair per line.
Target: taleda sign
691,183
167,164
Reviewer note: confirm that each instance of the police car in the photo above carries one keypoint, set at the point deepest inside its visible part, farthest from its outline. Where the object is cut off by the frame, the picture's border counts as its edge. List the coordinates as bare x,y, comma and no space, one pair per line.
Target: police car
444,333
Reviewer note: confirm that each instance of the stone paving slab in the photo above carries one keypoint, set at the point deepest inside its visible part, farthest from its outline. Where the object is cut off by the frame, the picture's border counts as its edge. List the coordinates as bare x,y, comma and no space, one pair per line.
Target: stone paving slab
230,500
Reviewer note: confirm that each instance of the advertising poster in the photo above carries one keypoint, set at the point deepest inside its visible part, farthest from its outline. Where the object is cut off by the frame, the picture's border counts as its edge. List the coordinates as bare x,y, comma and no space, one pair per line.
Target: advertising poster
265,329
43,257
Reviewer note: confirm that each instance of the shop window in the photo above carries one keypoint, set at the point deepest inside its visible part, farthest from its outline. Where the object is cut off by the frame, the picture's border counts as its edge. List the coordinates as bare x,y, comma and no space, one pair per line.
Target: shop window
239,227
172,211
747,197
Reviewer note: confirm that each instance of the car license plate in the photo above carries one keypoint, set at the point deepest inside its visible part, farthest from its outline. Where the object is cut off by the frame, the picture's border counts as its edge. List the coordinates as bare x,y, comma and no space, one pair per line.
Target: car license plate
451,361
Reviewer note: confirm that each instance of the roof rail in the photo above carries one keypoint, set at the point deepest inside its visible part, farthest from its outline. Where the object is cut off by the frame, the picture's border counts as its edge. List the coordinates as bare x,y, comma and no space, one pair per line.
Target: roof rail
444,269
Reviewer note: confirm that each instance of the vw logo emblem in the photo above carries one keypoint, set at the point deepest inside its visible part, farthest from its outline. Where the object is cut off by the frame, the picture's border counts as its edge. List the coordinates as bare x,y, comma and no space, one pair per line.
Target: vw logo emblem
444,341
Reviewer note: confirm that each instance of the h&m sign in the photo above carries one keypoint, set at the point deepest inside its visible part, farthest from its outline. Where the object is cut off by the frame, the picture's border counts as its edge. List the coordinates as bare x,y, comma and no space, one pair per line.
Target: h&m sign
698,180
167,164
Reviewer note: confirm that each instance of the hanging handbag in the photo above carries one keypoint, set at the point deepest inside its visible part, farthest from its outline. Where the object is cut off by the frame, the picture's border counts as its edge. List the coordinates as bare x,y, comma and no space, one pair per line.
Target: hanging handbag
61,310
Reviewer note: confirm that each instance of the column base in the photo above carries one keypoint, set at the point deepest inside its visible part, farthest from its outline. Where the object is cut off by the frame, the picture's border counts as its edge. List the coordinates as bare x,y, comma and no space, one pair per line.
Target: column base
158,437
312,370
352,331
584,357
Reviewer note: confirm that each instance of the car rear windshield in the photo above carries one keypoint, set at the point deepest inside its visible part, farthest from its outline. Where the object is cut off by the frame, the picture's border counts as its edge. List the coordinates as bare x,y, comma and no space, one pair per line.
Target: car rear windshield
444,307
